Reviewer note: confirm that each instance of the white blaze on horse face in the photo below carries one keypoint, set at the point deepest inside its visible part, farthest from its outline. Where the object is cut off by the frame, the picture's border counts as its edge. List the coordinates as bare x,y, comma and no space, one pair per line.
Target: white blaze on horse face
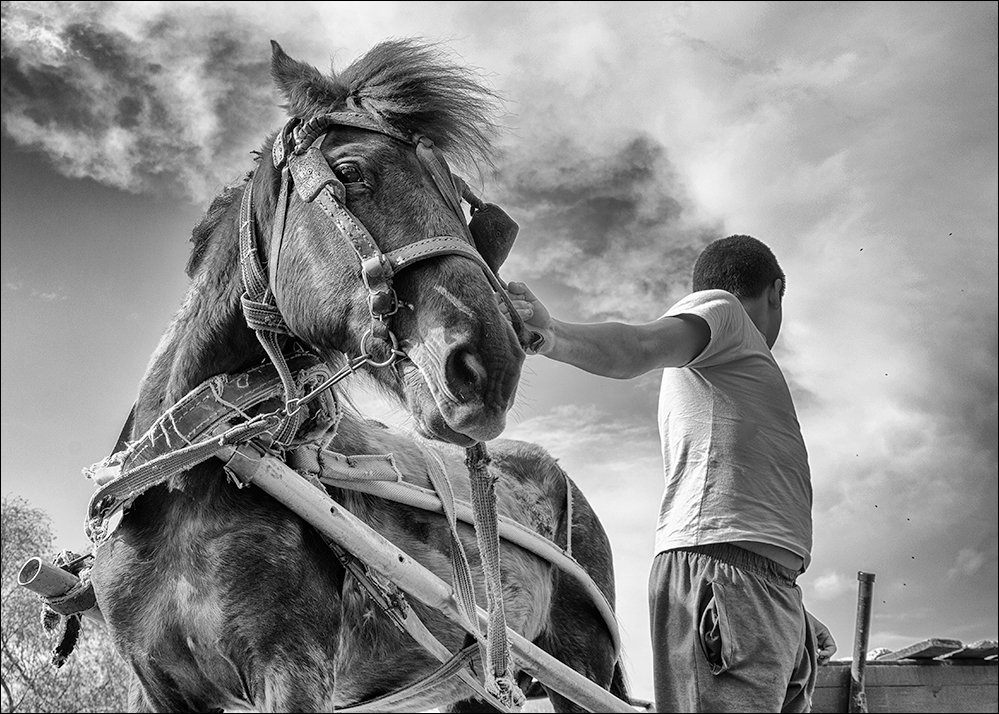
455,300
429,354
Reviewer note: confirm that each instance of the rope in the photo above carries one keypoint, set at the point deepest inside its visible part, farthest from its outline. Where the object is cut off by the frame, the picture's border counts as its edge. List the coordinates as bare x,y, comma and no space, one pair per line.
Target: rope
568,515
500,681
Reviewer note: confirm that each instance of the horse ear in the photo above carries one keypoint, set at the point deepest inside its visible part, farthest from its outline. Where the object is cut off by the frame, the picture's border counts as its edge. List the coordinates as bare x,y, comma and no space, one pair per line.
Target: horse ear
494,233
306,91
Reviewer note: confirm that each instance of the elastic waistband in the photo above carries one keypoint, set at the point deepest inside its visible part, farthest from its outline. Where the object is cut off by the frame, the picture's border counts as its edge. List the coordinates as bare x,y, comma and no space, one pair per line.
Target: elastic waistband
744,560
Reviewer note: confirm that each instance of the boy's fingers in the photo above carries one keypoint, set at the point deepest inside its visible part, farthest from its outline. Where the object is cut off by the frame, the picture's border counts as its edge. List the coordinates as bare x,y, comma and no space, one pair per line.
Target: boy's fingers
521,289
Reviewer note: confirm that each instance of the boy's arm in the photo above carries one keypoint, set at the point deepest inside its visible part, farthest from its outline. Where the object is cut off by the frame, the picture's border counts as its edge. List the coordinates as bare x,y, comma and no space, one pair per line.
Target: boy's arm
612,349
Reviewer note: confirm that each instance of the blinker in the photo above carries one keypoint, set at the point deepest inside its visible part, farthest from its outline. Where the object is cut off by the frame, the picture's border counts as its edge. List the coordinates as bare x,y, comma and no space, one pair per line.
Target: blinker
494,233
312,173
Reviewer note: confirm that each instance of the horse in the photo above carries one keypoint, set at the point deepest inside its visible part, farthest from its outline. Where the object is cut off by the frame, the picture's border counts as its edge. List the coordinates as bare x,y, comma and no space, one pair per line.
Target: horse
220,598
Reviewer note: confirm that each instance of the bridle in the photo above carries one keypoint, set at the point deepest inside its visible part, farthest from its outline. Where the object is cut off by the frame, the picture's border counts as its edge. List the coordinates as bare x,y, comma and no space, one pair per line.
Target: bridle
297,155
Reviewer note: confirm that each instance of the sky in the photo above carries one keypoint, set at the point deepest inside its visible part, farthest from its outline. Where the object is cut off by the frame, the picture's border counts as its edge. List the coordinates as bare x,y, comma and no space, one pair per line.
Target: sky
858,140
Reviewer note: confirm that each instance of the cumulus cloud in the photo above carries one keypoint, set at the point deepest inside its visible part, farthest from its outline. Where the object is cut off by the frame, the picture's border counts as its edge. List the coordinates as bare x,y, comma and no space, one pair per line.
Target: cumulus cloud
830,585
969,562
860,142
159,100
609,225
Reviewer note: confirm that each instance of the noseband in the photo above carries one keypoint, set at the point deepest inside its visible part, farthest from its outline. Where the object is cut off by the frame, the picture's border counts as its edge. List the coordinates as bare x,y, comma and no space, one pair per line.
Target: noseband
298,156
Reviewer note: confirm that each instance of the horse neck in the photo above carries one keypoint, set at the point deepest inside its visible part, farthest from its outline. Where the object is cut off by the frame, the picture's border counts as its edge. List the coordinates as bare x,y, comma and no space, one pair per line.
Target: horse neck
208,335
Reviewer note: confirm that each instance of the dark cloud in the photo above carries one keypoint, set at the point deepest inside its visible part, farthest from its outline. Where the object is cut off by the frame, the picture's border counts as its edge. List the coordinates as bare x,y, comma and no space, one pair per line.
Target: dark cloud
611,223
176,100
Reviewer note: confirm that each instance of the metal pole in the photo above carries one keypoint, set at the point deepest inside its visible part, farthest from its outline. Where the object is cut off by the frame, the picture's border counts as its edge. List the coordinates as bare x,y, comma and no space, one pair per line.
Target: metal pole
865,596
51,581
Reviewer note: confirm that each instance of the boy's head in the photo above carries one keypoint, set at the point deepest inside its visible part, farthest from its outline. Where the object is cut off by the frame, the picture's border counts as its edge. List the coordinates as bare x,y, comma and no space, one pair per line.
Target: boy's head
741,265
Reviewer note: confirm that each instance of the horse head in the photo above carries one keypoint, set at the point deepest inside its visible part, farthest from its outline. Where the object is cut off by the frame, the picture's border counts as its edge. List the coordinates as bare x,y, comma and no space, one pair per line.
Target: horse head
363,244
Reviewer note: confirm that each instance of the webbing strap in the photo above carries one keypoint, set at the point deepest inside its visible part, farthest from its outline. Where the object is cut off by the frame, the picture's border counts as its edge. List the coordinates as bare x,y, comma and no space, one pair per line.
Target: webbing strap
452,667
393,605
377,475
190,432
460,570
499,670
254,279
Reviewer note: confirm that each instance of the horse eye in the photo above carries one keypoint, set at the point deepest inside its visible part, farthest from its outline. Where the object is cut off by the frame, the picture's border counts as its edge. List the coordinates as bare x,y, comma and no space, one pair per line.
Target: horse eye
348,173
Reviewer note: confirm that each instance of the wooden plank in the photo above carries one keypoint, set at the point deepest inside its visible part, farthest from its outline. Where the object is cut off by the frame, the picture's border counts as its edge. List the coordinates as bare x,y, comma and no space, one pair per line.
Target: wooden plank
832,688
978,650
933,674
912,686
966,698
926,649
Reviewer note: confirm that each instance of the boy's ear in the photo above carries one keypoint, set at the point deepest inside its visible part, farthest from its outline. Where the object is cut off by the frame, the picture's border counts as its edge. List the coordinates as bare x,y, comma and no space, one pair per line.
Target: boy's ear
774,293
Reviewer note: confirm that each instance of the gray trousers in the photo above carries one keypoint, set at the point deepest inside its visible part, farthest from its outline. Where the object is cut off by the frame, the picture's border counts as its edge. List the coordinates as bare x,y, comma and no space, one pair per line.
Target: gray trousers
729,633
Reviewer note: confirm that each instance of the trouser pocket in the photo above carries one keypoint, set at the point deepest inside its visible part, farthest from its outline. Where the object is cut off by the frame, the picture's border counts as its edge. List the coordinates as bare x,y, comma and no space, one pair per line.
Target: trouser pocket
714,632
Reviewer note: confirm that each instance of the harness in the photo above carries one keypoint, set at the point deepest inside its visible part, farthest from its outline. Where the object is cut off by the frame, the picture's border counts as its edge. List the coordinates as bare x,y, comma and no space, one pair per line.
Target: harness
295,407
208,419
297,154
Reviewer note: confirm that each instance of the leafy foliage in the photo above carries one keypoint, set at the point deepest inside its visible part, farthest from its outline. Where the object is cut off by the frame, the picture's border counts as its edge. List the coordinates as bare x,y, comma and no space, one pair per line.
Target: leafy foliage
94,679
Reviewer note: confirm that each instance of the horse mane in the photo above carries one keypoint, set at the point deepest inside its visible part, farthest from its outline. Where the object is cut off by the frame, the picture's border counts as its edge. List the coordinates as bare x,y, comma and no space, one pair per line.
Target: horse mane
412,85
203,230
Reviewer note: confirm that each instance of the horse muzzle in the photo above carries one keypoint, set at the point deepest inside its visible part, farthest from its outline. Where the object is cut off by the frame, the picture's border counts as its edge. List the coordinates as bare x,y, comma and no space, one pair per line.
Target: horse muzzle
456,393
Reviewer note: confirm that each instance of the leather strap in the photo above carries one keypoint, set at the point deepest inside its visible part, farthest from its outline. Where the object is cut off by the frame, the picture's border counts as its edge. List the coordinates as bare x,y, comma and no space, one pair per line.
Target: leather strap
319,125
260,308
208,418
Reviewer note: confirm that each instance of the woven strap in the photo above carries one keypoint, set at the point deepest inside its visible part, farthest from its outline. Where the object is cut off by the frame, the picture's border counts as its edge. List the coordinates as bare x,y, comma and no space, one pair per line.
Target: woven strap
259,306
460,569
379,476
118,493
499,670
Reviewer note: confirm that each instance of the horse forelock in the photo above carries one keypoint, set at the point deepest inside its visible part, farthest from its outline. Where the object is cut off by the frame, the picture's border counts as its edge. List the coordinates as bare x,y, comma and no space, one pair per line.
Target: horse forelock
413,86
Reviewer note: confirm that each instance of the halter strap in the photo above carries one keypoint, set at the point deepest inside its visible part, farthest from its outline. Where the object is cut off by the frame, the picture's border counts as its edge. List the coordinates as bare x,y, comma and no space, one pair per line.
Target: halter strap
297,148
262,314
297,154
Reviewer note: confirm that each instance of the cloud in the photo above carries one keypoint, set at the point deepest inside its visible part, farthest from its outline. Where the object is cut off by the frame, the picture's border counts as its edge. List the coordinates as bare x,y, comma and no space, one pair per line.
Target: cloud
609,225
19,289
831,585
142,101
969,562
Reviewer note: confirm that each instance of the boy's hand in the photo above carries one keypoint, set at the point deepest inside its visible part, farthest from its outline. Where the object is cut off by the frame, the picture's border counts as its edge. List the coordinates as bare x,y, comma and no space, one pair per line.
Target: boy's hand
534,314
823,639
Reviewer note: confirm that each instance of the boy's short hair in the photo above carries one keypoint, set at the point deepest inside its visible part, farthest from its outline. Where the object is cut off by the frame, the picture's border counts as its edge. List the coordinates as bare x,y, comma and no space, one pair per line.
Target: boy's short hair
742,265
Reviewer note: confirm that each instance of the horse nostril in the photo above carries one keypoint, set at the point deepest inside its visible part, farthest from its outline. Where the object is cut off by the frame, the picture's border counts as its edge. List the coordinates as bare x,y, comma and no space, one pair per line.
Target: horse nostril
465,375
